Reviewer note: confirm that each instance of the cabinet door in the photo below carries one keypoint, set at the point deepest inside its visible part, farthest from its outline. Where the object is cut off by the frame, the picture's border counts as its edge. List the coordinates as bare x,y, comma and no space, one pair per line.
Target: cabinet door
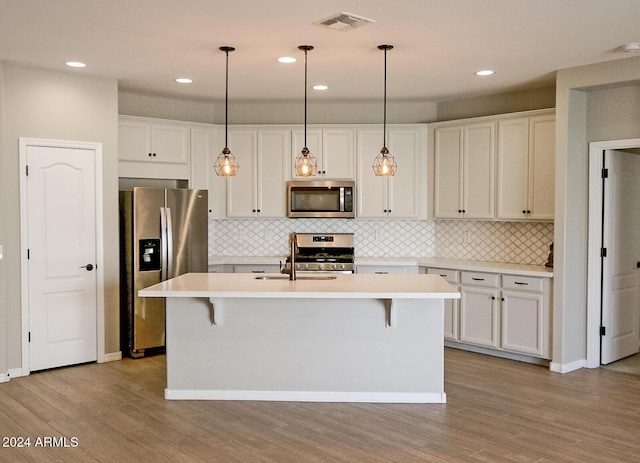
542,159
387,269
407,198
134,140
479,314
314,143
513,168
479,171
448,172
372,191
339,154
523,322
204,151
170,143
241,189
274,147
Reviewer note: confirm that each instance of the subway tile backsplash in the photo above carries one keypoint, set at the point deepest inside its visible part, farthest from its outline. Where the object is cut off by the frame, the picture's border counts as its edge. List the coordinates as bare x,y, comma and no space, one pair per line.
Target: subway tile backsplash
511,242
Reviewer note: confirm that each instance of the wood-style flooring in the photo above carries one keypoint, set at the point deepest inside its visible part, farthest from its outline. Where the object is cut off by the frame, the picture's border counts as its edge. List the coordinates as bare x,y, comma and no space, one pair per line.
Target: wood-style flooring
498,411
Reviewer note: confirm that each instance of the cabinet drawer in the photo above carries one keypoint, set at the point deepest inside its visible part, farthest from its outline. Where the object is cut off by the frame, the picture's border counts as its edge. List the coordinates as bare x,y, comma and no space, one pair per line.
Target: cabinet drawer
533,284
480,279
452,276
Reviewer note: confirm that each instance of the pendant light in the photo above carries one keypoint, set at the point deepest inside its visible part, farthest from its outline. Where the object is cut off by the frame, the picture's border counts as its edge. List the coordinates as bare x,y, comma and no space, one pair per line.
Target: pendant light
384,164
226,164
306,163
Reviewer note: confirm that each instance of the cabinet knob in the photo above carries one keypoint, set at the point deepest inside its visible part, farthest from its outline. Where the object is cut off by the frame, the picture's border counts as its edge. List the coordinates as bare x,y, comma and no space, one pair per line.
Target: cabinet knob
493,298
523,211
528,212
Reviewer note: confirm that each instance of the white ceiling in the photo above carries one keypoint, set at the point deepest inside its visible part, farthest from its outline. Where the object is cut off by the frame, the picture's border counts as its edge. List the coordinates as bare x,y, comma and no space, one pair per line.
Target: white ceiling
438,44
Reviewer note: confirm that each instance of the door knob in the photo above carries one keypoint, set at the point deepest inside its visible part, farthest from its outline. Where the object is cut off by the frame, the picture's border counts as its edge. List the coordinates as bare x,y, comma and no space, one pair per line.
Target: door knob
89,267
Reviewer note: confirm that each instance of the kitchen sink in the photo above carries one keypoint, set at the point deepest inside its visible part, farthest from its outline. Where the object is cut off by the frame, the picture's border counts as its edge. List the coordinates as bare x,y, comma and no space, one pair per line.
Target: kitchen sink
305,277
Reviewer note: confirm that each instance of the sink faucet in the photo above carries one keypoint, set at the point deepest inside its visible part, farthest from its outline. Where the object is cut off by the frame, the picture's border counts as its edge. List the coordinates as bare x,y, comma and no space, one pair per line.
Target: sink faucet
292,246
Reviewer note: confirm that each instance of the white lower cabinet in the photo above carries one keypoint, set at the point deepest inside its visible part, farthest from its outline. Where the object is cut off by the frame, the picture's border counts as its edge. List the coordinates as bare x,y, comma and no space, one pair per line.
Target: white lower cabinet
386,269
451,306
256,268
503,312
479,309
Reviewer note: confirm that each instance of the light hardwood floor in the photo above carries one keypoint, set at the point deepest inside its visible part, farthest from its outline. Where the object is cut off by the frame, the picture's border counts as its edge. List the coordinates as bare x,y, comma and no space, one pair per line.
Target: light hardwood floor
498,411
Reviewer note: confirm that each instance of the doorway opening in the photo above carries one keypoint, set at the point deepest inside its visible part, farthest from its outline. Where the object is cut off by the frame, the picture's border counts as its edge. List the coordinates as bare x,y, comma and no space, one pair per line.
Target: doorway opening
604,290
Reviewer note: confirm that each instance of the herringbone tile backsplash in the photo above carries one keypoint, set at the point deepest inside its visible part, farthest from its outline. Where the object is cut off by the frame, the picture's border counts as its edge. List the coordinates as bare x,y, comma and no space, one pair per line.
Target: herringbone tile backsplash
511,242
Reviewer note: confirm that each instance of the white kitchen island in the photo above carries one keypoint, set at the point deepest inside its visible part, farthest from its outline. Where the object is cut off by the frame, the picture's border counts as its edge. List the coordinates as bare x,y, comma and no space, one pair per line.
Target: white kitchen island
355,338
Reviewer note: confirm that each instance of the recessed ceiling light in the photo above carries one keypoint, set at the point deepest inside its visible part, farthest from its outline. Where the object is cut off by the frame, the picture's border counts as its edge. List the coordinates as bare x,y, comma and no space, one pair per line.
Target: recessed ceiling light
75,64
320,87
184,80
485,72
632,47
286,59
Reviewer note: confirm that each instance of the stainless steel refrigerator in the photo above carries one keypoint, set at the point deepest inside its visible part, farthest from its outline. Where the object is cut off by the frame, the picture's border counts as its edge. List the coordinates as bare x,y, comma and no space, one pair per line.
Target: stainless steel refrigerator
163,234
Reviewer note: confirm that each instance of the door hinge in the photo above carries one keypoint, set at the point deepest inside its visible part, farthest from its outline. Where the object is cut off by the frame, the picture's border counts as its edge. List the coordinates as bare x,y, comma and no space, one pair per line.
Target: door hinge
605,173
603,252
603,331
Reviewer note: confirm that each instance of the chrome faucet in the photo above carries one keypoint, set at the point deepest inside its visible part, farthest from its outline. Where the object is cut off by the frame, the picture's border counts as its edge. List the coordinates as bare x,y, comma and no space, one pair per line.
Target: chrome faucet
292,247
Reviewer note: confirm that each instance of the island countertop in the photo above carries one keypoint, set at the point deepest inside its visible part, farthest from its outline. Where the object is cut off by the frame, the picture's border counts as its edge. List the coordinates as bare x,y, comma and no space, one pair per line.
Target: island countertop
344,286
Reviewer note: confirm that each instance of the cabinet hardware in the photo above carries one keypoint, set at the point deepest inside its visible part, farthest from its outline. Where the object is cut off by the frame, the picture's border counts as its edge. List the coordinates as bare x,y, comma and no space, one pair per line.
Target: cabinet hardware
493,298
477,279
520,283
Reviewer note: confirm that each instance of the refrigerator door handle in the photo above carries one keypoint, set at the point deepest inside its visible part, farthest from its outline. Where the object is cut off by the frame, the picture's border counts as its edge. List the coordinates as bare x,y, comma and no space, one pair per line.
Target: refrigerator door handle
169,228
164,243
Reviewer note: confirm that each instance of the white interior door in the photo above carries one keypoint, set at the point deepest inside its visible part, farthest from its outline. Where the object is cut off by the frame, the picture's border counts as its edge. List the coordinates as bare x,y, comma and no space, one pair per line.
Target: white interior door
62,305
620,292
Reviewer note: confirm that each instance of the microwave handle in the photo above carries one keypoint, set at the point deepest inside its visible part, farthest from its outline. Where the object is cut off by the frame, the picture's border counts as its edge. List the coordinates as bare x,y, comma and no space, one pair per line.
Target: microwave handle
342,189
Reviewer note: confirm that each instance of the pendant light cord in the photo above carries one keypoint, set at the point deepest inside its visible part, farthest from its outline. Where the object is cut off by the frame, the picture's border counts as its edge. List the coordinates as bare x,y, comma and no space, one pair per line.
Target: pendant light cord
305,98
384,125
226,102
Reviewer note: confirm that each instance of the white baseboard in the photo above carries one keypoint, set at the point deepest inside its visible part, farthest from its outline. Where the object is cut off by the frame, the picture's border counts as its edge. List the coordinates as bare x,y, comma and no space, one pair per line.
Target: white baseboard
16,373
307,396
567,367
112,357
4,377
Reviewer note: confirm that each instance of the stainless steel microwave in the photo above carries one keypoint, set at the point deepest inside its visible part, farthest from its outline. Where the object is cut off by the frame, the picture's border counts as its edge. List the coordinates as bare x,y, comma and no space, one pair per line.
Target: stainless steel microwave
321,198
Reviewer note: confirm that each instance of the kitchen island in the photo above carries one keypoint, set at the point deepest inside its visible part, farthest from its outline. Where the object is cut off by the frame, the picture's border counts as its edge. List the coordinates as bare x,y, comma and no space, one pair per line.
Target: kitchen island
343,338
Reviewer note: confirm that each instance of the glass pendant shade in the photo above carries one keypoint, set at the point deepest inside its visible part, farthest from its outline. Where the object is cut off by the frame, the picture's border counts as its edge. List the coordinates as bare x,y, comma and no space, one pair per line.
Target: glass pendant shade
306,163
384,165
226,164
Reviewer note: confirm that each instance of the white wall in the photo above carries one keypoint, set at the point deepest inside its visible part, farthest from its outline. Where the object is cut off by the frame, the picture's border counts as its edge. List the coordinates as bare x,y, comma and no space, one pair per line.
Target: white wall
4,193
597,102
488,105
269,112
40,103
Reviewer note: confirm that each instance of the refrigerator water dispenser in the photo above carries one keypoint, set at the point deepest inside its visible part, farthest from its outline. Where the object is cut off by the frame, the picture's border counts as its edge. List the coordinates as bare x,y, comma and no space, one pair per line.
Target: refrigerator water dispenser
149,255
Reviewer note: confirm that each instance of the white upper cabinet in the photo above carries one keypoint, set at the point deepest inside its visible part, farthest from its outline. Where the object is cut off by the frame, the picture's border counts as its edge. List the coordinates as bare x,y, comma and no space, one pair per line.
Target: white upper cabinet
151,148
464,171
258,189
400,196
526,168
333,147
207,143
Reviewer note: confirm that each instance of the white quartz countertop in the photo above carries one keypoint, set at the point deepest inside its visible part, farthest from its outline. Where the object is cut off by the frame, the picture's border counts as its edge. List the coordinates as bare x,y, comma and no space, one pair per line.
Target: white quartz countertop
348,286
435,262
491,267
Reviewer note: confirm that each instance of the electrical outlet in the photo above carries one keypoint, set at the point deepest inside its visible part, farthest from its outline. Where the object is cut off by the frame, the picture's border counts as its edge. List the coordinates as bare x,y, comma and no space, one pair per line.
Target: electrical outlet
379,235
466,236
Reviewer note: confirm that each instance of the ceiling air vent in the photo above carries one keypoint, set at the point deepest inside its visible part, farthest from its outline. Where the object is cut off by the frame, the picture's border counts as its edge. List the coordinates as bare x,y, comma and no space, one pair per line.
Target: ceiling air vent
344,21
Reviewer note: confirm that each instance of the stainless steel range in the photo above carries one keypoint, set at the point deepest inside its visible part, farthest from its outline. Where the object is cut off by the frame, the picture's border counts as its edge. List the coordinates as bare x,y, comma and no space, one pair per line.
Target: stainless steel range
322,252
